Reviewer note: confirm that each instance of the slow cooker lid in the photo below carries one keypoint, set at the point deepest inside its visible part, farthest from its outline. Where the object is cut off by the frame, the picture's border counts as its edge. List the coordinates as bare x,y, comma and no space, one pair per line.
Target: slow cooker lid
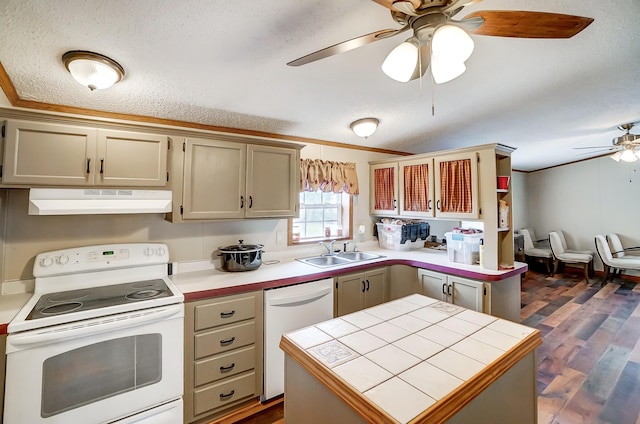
241,247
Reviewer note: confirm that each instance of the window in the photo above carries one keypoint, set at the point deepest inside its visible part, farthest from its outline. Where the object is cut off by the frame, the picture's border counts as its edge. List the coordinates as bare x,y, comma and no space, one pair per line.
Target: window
323,216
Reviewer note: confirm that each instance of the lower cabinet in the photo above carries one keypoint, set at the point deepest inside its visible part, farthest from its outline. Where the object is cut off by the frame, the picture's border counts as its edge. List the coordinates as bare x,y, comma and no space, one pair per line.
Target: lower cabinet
460,291
362,290
223,354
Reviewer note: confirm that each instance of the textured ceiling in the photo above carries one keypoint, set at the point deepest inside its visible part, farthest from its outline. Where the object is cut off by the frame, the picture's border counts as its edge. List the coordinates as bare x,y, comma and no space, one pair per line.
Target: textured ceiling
223,63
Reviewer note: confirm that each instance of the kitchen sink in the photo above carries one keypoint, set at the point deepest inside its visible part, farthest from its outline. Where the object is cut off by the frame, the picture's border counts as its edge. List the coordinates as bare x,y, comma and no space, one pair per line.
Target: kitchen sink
344,258
358,256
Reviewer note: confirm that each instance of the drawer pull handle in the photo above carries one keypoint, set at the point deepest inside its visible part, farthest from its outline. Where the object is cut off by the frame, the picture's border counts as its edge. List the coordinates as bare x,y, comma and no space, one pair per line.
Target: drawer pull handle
227,341
227,395
227,368
227,314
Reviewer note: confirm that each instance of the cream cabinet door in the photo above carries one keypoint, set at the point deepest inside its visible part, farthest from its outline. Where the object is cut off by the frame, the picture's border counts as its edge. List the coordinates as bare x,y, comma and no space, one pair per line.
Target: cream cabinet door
456,186
350,293
467,293
214,180
48,154
384,189
375,282
272,182
433,284
130,159
355,292
416,188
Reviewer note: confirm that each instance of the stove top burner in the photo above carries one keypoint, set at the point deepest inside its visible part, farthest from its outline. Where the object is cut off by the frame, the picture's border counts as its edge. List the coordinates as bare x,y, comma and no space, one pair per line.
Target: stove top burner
61,303
143,294
61,308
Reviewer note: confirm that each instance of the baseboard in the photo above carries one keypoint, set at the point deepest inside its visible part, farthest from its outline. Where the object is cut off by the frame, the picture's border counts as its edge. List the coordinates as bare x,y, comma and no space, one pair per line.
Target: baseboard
252,408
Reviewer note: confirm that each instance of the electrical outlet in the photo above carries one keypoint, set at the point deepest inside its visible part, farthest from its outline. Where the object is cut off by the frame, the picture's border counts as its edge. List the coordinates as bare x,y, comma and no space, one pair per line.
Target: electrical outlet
279,237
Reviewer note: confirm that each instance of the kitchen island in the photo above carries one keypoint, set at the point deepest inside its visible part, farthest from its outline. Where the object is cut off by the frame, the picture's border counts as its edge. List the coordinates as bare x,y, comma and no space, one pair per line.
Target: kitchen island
411,360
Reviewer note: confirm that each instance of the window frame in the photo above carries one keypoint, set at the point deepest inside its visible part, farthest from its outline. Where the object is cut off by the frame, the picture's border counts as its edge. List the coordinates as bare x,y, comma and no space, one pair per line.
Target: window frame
346,229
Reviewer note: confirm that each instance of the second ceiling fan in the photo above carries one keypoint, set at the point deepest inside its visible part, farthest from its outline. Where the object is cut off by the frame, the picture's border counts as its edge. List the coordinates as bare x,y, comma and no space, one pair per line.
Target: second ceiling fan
443,43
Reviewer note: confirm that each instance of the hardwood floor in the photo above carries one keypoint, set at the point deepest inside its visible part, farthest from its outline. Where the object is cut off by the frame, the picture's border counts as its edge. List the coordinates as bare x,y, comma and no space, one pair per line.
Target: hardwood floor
589,363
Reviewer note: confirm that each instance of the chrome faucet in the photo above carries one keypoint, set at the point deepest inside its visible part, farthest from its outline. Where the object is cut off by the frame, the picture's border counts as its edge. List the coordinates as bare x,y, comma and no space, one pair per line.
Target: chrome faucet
328,246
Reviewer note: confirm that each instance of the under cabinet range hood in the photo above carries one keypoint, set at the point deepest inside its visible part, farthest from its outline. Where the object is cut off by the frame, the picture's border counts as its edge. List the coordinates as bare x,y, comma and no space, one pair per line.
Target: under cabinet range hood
71,201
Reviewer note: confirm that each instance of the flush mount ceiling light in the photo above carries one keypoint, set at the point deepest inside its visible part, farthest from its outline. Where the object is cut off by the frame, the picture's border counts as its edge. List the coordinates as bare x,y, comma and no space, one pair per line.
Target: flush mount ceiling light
92,70
364,127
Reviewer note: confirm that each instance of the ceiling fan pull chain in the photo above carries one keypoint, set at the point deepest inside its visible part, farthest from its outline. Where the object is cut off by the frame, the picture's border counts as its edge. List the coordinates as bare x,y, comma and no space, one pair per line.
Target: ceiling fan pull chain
433,105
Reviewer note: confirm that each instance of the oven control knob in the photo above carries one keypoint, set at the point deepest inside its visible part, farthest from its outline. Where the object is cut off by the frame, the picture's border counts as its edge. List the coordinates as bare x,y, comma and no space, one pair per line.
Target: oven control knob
148,251
62,260
46,262
160,251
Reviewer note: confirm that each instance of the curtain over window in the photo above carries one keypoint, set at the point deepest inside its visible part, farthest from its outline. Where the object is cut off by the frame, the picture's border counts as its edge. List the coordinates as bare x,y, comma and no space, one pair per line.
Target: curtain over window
328,176
455,180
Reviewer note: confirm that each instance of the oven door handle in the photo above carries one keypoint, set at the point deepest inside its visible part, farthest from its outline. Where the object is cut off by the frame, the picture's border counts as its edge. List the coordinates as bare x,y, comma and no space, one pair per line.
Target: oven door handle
95,326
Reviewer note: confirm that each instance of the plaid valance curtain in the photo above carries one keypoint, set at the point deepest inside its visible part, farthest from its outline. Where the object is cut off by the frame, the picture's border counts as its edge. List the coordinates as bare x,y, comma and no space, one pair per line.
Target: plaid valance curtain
455,183
328,176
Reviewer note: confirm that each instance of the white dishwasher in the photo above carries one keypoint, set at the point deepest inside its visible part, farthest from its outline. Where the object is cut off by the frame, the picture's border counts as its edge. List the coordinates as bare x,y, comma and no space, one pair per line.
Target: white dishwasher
287,309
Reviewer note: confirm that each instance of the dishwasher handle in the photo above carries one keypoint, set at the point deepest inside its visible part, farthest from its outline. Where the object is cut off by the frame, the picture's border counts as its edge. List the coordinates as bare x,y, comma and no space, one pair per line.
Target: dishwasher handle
287,300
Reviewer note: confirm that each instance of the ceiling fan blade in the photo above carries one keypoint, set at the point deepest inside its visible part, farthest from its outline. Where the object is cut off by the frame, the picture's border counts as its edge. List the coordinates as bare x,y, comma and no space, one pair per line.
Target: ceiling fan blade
523,24
389,3
425,60
597,147
347,45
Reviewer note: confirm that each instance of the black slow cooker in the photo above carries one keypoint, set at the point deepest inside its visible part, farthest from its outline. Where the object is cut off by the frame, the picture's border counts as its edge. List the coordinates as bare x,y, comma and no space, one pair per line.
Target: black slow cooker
241,257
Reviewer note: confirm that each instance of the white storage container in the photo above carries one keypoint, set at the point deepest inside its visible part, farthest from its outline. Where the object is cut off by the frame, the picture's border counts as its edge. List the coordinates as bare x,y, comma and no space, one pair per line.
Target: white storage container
464,248
390,235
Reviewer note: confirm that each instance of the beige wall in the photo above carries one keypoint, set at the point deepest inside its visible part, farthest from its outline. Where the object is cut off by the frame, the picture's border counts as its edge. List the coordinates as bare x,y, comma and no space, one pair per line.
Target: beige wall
24,236
583,199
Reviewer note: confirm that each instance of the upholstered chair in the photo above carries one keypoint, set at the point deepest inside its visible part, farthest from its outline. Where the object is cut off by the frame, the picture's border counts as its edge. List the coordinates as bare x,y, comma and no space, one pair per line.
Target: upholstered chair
534,253
612,263
562,257
568,249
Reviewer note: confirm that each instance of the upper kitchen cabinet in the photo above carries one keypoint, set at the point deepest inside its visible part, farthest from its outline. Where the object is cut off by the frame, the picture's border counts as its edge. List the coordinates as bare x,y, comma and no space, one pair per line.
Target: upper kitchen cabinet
233,180
273,181
416,188
456,185
38,153
384,189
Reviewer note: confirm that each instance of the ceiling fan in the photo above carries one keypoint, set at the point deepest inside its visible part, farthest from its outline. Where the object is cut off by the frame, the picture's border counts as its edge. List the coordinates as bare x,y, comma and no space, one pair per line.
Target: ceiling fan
443,43
626,147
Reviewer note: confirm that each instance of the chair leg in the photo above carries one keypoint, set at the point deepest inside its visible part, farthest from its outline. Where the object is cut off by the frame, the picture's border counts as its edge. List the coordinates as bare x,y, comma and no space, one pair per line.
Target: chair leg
586,272
607,269
556,263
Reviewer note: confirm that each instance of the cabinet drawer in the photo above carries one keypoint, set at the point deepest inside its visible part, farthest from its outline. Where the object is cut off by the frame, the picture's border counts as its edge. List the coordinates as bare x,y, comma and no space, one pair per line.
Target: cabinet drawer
225,312
224,339
223,393
225,365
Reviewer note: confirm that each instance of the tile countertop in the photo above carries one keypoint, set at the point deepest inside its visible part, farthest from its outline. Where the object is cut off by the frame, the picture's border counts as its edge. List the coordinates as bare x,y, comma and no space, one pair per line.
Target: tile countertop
410,357
200,280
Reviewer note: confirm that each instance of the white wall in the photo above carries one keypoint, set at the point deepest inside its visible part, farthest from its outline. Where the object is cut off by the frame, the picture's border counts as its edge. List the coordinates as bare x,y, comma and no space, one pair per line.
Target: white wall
520,200
583,199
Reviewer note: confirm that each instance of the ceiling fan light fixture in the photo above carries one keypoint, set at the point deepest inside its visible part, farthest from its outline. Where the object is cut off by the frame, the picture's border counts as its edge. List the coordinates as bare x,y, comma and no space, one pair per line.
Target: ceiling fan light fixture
628,155
451,44
446,71
93,70
616,156
401,62
364,127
